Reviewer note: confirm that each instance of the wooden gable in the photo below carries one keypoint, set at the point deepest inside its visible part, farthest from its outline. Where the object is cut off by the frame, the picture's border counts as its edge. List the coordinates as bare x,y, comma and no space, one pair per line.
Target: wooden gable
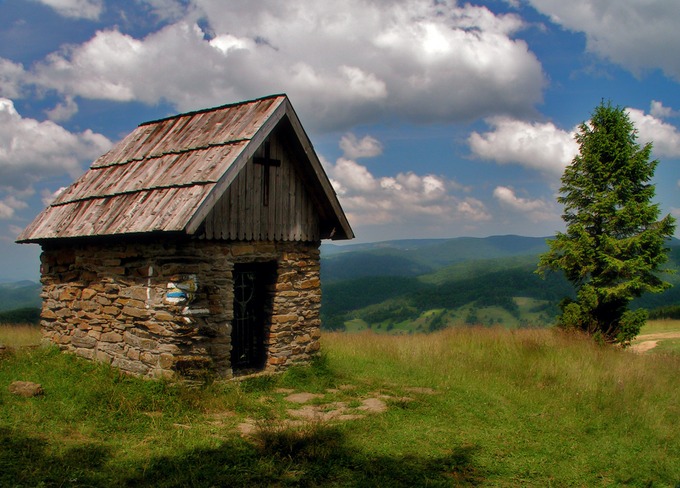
197,174
277,206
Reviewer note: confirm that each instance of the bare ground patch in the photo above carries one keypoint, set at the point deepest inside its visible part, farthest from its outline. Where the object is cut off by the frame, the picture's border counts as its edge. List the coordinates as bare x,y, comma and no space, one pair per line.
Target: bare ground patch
644,346
647,342
308,407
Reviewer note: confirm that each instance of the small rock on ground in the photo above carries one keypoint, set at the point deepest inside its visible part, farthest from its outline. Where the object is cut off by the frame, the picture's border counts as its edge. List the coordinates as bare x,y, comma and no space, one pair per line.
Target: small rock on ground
26,389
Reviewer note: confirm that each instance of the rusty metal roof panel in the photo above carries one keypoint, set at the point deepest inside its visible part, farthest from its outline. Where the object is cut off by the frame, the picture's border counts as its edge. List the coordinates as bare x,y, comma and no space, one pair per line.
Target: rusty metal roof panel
221,125
122,152
157,176
167,174
170,170
145,211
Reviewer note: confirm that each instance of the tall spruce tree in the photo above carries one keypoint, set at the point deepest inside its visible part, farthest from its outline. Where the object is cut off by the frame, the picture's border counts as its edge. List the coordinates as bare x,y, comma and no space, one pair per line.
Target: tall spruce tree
614,246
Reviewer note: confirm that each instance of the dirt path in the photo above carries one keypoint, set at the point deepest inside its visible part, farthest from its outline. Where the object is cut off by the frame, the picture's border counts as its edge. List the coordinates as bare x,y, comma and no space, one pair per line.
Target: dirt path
647,342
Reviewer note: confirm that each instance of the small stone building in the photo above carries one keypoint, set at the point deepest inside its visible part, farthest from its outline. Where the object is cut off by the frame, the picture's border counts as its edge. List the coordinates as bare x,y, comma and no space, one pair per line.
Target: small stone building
192,246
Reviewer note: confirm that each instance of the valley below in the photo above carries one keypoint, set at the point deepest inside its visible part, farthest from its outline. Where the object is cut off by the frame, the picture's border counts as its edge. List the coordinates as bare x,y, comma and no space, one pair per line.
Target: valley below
402,287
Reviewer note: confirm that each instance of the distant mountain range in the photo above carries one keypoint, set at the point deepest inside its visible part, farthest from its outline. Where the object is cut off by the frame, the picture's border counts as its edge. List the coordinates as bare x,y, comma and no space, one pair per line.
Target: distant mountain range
424,284
19,294
413,257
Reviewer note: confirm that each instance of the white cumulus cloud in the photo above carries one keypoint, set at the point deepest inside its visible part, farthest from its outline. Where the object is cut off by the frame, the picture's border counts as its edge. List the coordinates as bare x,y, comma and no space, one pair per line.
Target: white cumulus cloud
6,212
549,149
31,150
539,146
49,196
63,111
637,35
352,177
406,198
11,78
361,60
660,111
77,9
366,147
665,137
535,210
9,205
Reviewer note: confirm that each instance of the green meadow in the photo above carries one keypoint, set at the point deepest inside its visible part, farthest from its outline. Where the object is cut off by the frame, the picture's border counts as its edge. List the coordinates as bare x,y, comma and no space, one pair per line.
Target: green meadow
458,407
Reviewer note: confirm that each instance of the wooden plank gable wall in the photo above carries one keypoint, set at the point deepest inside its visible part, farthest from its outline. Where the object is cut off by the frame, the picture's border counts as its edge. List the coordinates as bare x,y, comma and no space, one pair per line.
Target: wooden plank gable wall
289,214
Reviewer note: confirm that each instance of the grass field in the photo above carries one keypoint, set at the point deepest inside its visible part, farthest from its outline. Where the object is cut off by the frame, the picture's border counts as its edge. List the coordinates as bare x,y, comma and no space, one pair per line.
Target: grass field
19,335
480,406
657,326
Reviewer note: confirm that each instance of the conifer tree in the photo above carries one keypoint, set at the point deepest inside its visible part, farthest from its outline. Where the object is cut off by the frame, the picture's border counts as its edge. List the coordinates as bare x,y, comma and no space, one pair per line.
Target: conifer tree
614,244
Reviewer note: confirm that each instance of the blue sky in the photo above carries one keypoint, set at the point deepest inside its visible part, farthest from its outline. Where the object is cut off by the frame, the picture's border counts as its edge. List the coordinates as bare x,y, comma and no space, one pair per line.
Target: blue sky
432,118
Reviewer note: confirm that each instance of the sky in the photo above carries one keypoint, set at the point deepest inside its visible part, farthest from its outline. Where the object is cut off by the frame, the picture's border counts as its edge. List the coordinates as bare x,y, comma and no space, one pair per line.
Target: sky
433,118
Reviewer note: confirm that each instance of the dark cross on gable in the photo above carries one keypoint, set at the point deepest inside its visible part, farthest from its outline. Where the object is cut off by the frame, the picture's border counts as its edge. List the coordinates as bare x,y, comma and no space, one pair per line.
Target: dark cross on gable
266,161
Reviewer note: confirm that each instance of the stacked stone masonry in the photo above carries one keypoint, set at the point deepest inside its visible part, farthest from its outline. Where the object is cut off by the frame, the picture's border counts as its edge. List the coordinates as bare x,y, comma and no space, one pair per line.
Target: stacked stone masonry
109,303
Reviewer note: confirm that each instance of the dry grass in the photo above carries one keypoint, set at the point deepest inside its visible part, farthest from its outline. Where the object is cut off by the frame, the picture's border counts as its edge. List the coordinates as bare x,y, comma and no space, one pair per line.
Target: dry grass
19,335
661,325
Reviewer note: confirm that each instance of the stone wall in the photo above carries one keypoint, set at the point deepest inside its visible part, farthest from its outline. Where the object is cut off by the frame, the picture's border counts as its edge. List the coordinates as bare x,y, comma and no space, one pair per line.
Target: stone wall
112,302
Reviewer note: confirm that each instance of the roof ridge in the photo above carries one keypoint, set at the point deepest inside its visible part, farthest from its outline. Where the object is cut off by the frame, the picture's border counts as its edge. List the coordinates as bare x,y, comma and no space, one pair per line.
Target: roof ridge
213,109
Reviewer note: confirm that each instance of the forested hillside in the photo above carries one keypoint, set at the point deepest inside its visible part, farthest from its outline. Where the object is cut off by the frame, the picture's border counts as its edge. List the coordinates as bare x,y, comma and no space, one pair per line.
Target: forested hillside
417,257
487,281
19,294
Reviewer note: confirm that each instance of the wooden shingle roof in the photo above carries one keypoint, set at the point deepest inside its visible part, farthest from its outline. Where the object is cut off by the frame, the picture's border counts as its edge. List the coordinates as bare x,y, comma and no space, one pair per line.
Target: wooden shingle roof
168,174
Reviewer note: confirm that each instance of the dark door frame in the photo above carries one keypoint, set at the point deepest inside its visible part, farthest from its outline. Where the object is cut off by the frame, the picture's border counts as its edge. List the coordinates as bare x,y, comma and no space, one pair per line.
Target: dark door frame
254,284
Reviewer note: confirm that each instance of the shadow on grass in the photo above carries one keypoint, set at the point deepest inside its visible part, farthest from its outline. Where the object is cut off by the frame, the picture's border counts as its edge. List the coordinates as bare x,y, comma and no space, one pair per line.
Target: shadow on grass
27,461
318,457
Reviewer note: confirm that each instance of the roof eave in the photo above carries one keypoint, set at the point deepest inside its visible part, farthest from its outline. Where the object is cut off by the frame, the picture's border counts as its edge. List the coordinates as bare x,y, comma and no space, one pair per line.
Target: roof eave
99,237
